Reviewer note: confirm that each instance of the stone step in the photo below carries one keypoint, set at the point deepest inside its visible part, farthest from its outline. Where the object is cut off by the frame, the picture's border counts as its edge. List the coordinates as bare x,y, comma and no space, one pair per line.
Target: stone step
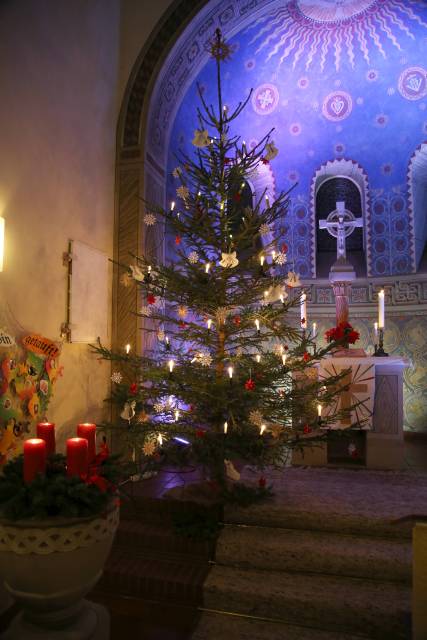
211,626
379,610
356,502
314,552
138,534
159,577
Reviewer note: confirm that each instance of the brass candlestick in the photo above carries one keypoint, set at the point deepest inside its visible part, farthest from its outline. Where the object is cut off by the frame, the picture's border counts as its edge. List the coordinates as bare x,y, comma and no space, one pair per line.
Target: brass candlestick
379,348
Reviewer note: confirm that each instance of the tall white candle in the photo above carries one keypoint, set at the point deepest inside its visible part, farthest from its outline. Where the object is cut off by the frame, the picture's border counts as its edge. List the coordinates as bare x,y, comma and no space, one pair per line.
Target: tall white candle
381,309
303,310
314,329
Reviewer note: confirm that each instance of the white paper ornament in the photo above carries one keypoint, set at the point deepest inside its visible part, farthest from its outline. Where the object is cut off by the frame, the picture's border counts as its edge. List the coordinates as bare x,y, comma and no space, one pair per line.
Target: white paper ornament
229,260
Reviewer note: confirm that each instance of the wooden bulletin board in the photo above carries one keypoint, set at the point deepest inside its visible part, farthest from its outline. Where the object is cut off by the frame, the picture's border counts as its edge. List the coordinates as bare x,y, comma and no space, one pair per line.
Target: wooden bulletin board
88,293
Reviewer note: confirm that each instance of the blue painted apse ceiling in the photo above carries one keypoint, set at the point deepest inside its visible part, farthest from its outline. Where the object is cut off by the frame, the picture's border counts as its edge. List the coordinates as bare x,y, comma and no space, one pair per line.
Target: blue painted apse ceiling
344,84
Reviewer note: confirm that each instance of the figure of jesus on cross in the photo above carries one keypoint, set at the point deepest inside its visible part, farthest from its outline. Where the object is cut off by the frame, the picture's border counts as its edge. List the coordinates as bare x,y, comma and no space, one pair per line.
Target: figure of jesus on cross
340,224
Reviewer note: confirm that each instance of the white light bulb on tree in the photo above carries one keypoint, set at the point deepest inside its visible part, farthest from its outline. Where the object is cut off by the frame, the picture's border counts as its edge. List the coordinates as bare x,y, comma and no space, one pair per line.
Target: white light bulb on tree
230,373
225,427
262,260
262,429
127,349
171,365
207,267
258,358
257,324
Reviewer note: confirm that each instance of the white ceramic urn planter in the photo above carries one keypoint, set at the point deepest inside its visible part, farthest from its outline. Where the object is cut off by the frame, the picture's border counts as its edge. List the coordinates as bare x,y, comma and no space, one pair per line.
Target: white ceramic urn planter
48,567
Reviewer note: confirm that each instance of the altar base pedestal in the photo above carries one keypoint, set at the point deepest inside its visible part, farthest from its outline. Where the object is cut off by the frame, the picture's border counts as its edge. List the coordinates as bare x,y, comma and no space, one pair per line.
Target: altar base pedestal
379,383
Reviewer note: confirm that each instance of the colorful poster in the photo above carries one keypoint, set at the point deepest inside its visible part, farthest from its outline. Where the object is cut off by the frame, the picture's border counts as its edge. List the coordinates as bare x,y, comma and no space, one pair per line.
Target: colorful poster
28,370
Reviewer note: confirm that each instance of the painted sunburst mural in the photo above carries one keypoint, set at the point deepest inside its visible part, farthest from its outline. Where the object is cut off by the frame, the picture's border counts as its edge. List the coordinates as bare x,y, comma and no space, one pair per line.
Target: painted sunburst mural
309,30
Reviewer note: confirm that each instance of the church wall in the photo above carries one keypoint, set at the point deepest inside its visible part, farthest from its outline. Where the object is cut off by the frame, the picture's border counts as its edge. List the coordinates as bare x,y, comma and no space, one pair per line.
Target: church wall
361,96
58,112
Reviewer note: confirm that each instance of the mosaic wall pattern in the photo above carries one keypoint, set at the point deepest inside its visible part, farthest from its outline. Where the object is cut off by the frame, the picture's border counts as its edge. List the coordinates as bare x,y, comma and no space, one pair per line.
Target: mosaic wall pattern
337,80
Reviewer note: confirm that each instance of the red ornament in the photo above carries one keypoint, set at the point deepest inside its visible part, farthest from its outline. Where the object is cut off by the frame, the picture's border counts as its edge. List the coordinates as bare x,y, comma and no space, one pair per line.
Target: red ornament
303,321
182,325
178,240
307,428
250,384
306,356
284,247
237,320
200,433
286,347
264,161
237,197
151,299
99,482
262,482
133,389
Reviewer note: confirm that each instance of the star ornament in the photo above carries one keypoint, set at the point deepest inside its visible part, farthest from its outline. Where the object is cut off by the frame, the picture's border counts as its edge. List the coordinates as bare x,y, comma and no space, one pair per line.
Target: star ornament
183,192
150,219
229,260
201,138
220,50
250,385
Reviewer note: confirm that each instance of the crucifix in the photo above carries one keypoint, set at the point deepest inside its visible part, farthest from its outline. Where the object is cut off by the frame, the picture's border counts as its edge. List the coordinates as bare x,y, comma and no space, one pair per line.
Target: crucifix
340,224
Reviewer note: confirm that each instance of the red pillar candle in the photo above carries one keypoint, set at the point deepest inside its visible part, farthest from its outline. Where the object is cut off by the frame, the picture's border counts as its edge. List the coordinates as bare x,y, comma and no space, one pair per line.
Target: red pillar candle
34,458
88,430
46,431
77,457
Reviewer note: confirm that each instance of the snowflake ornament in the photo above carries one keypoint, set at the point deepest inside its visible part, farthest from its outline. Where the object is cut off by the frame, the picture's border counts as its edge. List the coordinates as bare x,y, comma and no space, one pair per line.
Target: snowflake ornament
255,417
183,192
201,138
193,258
229,260
116,377
205,359
264,230
177,172
145,310
150,219
149,447
158,407
281,258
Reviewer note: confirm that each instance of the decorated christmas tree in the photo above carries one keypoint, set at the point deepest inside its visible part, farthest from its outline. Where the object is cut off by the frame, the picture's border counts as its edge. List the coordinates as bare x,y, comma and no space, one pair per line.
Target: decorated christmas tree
228,376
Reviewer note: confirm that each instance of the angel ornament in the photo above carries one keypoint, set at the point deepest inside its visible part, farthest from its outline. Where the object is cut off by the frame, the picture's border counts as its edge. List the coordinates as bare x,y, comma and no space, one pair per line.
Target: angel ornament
229,260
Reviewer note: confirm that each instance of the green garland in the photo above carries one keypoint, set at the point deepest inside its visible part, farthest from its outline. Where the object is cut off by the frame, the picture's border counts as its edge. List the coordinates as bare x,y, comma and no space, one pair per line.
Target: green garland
55,494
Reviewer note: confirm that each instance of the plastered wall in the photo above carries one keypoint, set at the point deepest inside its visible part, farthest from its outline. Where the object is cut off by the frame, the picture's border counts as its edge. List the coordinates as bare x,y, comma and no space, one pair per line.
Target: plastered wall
63,72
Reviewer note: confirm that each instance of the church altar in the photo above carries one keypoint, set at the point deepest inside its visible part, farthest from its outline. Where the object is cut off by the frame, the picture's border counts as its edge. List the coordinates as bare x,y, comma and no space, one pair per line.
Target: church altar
374,390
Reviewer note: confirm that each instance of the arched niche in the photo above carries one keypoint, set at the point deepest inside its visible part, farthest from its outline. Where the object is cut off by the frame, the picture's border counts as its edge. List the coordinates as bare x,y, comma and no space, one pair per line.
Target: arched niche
417,187
346,172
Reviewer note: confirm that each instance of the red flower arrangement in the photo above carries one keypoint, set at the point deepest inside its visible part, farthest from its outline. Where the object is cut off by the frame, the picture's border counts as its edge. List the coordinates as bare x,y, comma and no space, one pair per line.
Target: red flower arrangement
344,333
